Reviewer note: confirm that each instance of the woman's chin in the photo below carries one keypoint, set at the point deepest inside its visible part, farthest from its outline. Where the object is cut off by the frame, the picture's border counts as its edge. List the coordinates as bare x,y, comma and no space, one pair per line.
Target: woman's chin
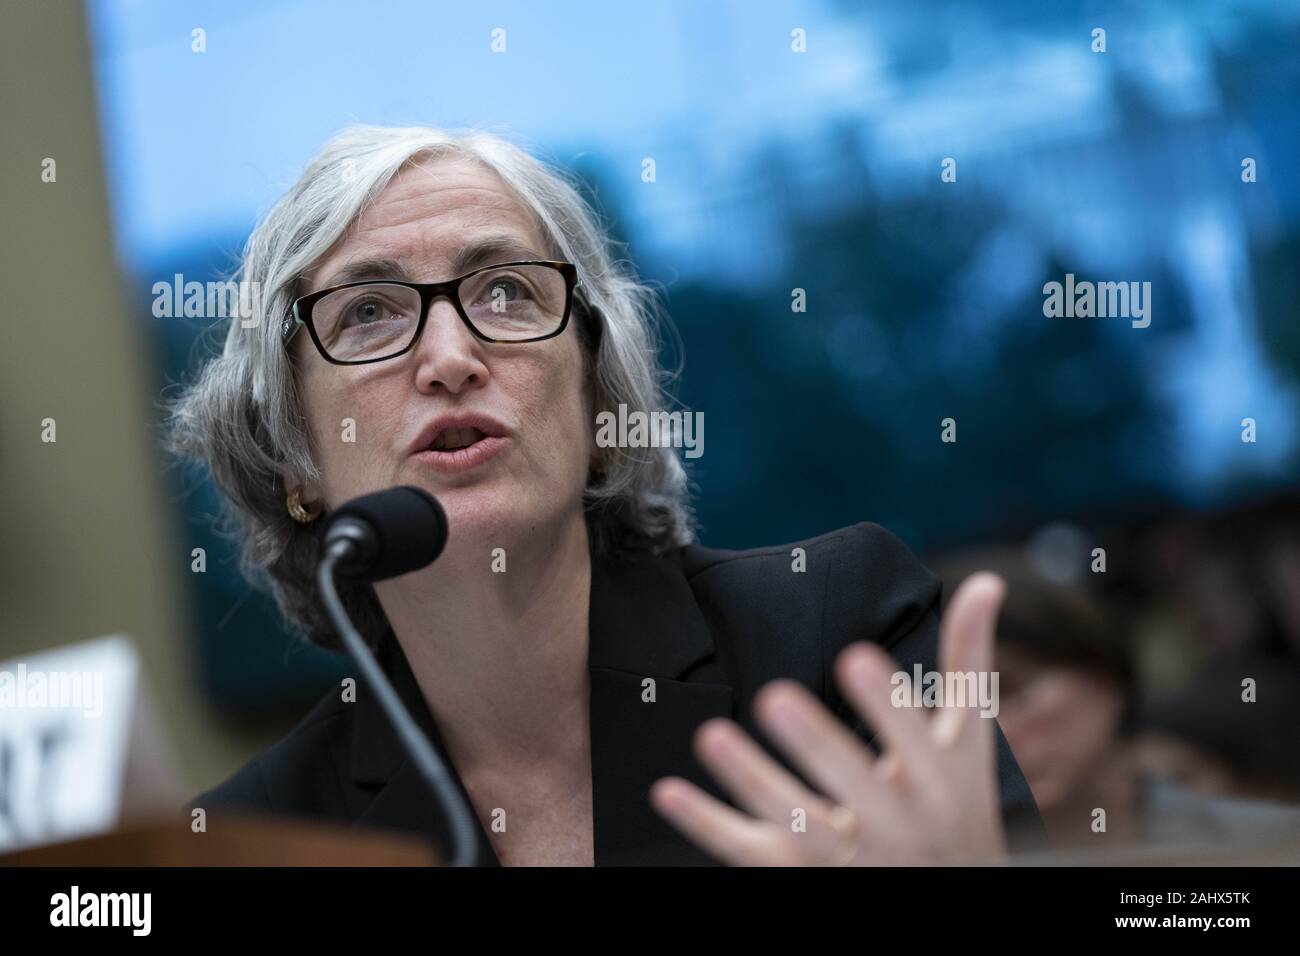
472,519
481,518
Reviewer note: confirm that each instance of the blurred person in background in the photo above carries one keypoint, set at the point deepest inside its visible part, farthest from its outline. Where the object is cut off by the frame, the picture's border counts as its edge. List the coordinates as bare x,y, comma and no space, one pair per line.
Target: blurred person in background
1071,708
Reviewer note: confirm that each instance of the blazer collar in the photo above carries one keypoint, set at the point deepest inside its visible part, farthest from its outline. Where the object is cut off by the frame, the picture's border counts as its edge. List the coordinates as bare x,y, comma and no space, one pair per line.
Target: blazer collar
644,623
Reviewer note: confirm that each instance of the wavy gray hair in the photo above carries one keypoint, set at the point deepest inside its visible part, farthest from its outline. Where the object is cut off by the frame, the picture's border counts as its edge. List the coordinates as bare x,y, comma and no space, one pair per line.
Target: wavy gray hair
243,418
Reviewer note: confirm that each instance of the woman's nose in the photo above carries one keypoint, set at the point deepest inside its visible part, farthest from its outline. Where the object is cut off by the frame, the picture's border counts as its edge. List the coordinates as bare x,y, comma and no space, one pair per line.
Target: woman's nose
448,354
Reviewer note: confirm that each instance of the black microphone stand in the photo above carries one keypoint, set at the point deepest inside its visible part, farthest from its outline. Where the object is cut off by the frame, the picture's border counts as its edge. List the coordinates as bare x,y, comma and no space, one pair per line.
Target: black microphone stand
460,819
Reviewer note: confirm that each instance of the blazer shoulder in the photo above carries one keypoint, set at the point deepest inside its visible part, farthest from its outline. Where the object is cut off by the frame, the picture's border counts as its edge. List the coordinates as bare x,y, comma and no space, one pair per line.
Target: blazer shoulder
866,540
862,578
295,774
880,586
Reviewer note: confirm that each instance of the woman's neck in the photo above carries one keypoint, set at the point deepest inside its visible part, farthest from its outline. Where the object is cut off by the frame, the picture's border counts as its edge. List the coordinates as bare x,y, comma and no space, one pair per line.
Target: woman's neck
498,642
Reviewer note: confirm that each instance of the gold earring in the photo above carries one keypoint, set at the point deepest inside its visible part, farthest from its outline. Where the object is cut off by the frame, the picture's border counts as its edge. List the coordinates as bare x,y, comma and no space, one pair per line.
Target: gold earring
297,512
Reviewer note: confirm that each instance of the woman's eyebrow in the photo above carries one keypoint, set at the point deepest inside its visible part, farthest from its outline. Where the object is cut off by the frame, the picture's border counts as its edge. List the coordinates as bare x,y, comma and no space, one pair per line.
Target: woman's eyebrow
480,252
490,250
363,269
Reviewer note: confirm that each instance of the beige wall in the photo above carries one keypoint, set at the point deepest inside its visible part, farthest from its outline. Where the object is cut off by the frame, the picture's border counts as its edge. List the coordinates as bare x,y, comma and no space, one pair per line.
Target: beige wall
84,521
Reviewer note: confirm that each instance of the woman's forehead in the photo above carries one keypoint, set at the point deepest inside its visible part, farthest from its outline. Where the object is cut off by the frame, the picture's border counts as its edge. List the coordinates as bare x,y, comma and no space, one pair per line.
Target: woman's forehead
431,218
442,184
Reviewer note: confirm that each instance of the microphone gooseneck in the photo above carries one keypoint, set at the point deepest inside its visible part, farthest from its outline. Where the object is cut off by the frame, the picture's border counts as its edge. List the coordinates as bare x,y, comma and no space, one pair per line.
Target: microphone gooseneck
378,536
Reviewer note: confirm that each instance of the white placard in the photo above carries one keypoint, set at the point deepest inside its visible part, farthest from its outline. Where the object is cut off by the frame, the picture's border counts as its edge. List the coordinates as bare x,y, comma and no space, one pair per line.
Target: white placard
65,732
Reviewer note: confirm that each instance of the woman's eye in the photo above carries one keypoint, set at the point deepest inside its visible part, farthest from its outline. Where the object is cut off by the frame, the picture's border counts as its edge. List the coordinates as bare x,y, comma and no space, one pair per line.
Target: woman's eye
503,289
366,312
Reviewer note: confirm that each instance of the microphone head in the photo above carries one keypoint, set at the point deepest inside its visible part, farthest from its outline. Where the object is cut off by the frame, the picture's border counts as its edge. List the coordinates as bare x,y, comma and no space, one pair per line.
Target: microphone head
403,529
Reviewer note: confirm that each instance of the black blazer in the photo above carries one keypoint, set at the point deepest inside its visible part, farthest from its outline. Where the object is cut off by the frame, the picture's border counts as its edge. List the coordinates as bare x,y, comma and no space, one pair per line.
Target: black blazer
710,626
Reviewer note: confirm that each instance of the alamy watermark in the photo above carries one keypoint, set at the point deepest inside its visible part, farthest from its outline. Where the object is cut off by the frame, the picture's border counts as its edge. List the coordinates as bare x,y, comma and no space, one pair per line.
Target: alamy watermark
208,300
1103,300
23,689
133,911
947,689
651,430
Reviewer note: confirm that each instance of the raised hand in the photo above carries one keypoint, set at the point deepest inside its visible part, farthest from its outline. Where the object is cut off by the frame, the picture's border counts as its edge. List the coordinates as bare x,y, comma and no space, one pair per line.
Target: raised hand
930,798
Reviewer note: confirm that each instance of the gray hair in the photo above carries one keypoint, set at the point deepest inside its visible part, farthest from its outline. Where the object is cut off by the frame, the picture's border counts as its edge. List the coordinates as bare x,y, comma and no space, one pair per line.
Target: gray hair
243,418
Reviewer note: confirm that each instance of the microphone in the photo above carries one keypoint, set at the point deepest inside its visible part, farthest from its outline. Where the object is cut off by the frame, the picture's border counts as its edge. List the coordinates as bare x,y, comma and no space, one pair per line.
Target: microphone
371,538
391,532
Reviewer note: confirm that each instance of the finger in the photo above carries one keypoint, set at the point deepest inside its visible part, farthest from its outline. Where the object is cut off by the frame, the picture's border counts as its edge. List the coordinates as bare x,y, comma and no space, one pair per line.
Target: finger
968,632
759,784
966,645
821,746
865,672
769,791
721,831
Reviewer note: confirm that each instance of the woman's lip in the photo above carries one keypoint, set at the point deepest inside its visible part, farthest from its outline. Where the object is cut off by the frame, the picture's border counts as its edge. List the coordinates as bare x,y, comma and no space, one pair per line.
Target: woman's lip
462,459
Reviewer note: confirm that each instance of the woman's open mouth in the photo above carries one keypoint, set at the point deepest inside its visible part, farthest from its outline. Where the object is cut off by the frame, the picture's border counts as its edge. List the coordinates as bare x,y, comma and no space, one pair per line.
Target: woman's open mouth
460,449
451,439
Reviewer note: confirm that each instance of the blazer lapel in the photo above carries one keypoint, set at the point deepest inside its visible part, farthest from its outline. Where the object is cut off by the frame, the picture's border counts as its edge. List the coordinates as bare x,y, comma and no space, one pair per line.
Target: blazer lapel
653,682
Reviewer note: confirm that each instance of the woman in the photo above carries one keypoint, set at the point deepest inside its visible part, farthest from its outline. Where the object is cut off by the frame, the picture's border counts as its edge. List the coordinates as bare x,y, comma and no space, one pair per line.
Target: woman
577,660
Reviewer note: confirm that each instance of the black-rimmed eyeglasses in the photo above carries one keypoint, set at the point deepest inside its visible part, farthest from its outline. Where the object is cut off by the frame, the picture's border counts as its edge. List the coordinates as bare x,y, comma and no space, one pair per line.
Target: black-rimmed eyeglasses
377,319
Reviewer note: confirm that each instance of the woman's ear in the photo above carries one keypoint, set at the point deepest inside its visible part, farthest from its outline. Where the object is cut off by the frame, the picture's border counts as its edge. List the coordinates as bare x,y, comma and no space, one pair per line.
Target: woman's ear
311,492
